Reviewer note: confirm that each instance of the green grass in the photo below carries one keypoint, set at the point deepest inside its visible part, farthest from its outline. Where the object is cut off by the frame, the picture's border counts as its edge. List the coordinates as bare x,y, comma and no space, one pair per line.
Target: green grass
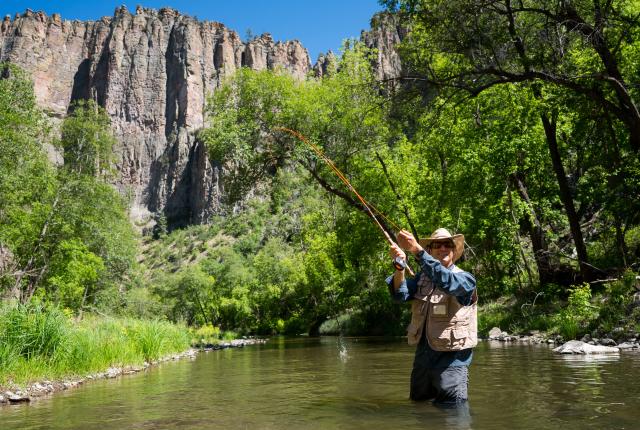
493,315
38,343
210,335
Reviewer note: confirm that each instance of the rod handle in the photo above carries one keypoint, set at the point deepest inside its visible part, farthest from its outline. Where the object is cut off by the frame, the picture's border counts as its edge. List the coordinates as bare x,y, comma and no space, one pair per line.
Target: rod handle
401,264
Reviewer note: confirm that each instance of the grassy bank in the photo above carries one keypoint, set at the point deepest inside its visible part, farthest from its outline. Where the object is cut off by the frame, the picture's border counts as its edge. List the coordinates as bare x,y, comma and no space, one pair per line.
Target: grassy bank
38,343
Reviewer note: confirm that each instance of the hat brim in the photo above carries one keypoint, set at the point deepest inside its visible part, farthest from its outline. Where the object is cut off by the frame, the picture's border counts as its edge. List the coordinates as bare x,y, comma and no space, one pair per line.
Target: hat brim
458,242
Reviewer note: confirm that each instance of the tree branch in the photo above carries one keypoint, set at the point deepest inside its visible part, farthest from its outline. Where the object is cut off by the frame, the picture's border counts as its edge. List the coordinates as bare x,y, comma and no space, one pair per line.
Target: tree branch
398,197
347,198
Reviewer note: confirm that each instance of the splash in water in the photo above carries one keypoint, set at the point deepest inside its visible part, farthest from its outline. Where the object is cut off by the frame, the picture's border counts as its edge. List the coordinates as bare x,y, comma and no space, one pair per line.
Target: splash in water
342,349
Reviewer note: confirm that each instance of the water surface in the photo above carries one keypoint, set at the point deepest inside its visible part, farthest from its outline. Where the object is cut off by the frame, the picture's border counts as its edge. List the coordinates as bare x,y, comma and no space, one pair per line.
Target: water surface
353,383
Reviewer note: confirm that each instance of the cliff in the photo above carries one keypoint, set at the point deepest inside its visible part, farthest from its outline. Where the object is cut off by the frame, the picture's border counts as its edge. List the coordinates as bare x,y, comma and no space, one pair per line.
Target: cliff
152,72
386,33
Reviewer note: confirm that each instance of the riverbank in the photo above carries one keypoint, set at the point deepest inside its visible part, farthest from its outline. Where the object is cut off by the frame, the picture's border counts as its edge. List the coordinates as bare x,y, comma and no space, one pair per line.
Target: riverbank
631,342
44,343
15,394
608,313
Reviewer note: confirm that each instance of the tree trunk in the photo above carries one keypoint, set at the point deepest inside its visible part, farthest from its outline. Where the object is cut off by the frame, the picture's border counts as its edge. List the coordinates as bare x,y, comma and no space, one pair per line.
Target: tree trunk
565,196
552,142
314,330
33,284
620,242
204,314
532,223
520,247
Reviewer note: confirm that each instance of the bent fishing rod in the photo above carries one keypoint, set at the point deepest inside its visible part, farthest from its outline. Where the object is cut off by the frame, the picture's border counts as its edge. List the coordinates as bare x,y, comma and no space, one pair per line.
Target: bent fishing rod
399,263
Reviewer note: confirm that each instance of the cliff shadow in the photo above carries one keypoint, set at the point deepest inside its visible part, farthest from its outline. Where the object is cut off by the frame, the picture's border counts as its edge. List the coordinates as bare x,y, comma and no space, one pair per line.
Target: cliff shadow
171,184
81,83
176,84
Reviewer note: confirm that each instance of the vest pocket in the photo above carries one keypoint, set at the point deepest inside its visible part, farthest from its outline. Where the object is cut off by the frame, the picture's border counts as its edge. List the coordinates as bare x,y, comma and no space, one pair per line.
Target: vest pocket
442,341
459,336
412,330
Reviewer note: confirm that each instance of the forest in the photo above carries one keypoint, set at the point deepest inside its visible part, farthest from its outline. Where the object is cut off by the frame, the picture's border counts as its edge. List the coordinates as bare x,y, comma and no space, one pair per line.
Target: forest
513,122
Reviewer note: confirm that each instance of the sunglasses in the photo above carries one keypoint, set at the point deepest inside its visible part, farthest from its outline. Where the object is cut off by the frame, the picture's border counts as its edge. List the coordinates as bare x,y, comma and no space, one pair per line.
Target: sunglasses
436,245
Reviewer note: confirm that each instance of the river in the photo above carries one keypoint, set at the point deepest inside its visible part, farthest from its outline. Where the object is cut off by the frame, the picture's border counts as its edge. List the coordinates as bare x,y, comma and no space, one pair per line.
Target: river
347,383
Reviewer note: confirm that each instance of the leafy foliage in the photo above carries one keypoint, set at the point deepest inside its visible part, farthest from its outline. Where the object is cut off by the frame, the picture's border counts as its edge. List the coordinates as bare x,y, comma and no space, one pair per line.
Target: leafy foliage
66,229
566,58
579,313
87,141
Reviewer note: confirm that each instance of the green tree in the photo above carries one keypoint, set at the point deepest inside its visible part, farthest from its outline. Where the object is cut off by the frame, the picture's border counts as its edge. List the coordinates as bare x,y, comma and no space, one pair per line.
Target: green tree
569,56
66,229
189,296
343,115
75,273
87,140
27,179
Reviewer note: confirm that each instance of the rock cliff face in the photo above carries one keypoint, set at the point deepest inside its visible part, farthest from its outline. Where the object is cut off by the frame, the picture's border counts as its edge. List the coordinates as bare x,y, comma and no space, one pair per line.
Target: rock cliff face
152,72
387,31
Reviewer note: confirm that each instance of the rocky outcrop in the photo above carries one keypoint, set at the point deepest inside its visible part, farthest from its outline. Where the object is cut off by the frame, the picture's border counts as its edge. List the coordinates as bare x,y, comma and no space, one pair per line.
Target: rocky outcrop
151,71
387,31
325,64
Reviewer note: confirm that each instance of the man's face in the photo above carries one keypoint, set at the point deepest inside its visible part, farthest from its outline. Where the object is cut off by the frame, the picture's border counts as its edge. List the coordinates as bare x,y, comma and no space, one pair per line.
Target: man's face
442,250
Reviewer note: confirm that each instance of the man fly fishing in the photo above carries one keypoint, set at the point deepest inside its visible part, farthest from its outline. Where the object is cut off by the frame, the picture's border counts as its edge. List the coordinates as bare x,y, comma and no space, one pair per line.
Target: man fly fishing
443,315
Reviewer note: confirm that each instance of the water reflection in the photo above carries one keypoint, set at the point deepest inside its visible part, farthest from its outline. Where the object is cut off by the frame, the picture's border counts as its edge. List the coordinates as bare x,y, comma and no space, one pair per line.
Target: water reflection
456,416
312,384
582,360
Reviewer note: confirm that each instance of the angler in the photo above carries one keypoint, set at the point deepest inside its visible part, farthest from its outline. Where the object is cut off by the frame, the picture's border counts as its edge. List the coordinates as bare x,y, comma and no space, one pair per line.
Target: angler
443,315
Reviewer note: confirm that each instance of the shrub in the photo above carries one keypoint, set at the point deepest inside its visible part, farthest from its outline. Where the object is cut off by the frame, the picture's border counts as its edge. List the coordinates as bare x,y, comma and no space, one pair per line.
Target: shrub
578,314
616,309
229,335
207,334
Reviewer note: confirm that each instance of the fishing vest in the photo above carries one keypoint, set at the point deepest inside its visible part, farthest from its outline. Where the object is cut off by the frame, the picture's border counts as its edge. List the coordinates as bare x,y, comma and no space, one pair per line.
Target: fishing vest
450,326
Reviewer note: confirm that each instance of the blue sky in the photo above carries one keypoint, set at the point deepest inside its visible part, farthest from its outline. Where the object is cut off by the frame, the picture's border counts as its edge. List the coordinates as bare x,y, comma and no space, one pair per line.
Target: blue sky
319,24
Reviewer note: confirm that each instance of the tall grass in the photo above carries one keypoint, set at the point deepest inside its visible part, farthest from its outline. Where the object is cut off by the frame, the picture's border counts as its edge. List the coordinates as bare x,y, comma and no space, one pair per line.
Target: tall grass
43,343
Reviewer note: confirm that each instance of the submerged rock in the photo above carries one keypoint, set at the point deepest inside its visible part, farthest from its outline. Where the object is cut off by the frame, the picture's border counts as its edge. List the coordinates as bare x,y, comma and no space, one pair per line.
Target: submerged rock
579,347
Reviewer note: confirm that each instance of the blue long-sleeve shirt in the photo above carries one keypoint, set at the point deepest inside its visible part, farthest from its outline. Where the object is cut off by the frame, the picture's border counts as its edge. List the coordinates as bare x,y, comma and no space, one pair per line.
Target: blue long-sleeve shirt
458,284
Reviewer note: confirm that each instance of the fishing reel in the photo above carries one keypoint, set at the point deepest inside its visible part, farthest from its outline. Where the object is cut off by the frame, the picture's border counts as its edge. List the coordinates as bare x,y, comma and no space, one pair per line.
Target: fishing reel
399,263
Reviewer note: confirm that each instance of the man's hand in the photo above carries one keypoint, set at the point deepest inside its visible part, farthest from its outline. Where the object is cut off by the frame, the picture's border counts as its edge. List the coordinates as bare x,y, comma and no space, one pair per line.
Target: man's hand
407,241
395,251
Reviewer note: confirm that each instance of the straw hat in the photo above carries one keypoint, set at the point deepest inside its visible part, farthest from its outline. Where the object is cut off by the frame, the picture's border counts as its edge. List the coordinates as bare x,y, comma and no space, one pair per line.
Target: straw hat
442,234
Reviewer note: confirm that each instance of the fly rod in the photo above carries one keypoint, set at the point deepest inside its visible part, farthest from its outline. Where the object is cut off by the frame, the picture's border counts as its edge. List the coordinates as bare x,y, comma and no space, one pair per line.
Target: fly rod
398,262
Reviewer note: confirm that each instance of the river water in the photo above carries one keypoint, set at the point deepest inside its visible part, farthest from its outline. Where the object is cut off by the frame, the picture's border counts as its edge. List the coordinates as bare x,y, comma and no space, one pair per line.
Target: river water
352,383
